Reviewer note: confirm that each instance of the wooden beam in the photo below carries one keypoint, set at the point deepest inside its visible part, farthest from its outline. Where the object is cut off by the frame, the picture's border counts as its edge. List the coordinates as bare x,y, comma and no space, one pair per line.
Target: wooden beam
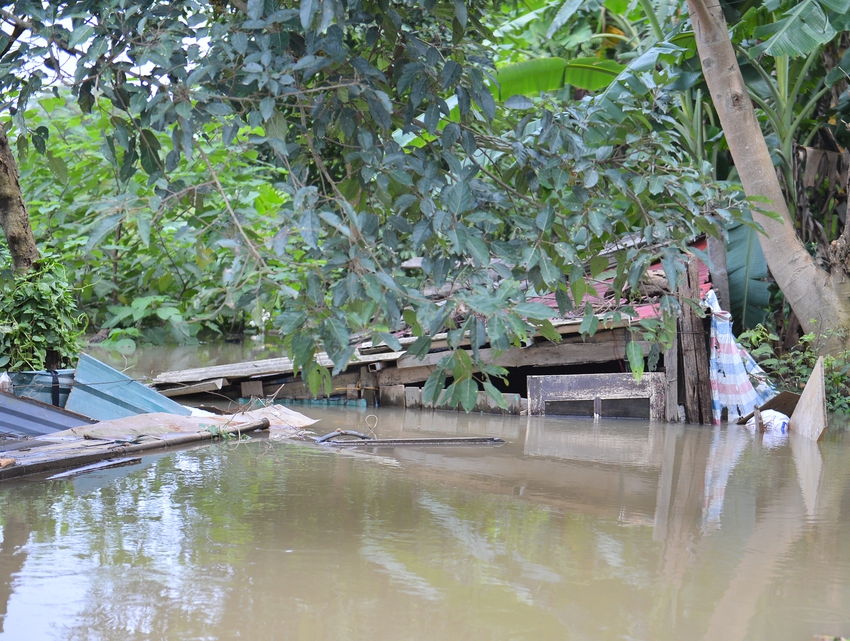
603,347
403,375
198,388
255,369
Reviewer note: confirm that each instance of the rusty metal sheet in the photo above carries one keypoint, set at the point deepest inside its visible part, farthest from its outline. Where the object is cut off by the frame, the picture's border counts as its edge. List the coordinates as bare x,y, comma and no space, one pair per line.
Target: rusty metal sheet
26,417
105,393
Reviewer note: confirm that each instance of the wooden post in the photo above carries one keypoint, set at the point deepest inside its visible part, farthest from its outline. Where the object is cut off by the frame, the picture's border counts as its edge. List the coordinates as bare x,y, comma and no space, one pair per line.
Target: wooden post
671,370
694,353
719,274
368,385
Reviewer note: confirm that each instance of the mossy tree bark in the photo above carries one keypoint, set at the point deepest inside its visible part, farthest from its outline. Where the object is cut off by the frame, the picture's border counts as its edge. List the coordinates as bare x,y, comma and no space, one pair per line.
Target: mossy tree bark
13,212
819,299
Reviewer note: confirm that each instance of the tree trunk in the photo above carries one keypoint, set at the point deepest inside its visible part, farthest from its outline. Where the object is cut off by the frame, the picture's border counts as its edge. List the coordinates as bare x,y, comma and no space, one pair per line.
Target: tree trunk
13,213
819,299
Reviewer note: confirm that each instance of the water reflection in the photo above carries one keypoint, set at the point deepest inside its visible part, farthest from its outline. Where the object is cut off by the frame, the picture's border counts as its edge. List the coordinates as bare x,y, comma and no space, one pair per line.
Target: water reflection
572,530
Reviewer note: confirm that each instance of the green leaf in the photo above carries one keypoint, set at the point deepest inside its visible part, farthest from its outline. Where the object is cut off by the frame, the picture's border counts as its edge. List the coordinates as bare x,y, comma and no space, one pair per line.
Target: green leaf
433,387
590,322
598,265
149,152
537,311
802,29
80,34
57,167
541,75
255,9
308,226
563,16
496,395
749,289
420,347
338,331
468,390
103,228
391,341
143,225
634,354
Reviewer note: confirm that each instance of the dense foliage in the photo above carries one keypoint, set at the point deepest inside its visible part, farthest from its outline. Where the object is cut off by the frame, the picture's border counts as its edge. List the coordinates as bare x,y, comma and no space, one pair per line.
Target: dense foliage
280,163
39,325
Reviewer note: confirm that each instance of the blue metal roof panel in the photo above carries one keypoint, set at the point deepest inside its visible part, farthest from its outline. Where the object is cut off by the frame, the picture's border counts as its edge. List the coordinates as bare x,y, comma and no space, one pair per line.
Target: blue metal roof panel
39,385
25,417
105,393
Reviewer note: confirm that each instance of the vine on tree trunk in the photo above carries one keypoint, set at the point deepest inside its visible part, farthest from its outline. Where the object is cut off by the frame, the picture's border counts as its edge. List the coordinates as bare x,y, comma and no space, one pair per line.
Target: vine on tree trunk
40,327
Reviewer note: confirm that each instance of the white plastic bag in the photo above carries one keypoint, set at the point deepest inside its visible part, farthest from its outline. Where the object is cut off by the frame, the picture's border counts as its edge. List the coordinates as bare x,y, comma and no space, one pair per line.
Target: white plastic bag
6,384
774,422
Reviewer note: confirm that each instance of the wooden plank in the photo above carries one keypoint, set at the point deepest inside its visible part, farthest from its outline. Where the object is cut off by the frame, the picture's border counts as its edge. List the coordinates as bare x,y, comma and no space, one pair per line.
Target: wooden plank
809,417
403,375
588,387
606,347
255,369
412,397
252,389
83,451
784,402
197,388
297,389
392,396
487,405
671,372
102,465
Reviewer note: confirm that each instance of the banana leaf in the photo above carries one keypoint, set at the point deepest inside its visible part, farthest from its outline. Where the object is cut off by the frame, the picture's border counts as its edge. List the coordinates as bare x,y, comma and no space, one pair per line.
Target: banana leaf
748,278
548,74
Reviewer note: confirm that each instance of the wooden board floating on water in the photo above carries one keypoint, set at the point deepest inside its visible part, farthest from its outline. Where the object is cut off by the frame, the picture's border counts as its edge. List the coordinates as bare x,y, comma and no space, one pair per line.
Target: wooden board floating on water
82,451
102,465
388,442
809,417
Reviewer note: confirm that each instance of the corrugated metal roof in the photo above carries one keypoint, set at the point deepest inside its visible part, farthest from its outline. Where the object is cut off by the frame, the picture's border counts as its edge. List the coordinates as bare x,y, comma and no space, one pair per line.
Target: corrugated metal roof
39,385
25,417
105,393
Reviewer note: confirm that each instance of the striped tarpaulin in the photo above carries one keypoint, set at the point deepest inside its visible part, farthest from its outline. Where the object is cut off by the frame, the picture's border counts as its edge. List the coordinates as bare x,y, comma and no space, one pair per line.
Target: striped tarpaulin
737,381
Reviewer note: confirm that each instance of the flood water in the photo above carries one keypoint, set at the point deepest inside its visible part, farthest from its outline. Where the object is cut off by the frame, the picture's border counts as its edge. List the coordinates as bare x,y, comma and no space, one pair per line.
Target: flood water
572,530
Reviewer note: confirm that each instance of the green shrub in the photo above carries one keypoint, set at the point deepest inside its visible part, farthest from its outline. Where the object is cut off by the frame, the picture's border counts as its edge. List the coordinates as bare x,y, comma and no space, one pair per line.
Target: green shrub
39,324
791,370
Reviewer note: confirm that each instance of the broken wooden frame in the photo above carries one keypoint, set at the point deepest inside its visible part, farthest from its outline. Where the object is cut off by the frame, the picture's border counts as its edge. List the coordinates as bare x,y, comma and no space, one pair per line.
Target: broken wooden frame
599,395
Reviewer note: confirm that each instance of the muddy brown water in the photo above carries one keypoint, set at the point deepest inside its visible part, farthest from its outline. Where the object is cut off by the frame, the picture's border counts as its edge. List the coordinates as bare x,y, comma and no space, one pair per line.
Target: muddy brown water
572,530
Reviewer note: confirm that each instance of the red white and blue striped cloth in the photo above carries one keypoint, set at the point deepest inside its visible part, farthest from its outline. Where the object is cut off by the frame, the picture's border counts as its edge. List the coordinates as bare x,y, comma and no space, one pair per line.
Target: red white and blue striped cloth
737,381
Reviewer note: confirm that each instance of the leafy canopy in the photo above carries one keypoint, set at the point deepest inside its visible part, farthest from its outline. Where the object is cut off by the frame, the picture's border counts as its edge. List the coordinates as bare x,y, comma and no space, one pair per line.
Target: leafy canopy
376,128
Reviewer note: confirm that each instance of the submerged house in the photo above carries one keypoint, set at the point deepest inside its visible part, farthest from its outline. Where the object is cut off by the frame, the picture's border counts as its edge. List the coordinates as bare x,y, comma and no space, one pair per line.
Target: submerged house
541,375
